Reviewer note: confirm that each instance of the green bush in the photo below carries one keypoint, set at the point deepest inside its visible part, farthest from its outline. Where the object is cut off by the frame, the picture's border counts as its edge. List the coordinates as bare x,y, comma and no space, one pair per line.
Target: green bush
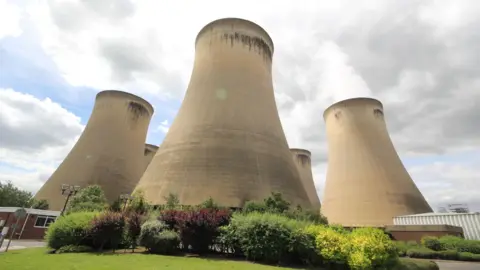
107,229
449,242
467,256
252,206
370,247
403,246
412,264
472,246
74,249
166,242
447,255
266,237
330,244
432,243
148,233
88,199
422,252
71,229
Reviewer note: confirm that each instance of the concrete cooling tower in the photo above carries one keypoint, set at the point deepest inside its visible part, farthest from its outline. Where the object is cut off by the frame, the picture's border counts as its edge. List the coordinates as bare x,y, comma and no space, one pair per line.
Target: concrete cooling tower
227,141
302,159
367,184
149,153
110,151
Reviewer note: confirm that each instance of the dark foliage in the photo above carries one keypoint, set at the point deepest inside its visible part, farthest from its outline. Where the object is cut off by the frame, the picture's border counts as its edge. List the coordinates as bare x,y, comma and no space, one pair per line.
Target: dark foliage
133,228
107,229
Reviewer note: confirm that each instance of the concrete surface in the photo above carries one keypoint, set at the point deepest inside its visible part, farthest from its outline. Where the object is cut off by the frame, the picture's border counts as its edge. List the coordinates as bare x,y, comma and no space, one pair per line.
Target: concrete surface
21,244
452,265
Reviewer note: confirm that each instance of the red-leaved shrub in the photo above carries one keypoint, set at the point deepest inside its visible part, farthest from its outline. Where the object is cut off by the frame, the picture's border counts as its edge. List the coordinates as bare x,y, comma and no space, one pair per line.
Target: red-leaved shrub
133,227
197,228
107,230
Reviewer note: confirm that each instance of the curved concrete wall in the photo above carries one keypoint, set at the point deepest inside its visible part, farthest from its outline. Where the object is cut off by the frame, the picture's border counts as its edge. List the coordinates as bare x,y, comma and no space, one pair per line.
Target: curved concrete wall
110,151
149,153
227,141
367,184
303,161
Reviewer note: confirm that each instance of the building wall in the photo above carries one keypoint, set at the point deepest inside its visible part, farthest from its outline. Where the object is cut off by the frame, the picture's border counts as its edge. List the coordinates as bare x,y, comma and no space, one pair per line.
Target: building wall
30,231
417,235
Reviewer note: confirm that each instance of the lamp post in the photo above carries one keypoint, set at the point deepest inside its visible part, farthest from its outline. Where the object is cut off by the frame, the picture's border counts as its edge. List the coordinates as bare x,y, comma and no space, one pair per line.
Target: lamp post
68,190
124,199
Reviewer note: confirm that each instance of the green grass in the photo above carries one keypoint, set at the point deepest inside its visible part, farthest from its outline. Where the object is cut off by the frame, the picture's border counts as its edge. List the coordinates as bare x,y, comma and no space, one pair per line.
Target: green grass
38,259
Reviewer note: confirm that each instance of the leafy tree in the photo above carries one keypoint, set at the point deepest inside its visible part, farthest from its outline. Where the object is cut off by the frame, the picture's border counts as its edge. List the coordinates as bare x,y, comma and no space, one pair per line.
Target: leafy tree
39,204
138,204
87,199
12,196
209,204
172,201
276,204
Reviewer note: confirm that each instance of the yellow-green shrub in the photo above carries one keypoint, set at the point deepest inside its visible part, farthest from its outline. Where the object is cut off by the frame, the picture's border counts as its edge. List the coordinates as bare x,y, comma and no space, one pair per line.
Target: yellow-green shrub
370,247
330,244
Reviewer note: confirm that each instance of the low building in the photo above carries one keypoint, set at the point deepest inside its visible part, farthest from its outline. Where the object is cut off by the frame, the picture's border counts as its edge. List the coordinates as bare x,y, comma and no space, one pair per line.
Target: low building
417,232
32,226
469,222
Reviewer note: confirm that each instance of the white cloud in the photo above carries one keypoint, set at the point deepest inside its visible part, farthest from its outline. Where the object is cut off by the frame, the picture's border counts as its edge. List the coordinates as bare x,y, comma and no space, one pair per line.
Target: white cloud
35,137
10,16
164,126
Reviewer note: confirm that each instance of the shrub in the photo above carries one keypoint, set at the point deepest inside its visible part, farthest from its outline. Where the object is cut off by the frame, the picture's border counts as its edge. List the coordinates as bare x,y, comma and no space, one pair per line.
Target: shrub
148,233
472,246
370,247
197,228
133,227
252,206
412,264
166,242
330,244
171,201
88,199
267,237
467,256
70,230
447,255
449,242
107,228
276,204
432,243
307,215
422,252
402,247
74,249
138,204
40,204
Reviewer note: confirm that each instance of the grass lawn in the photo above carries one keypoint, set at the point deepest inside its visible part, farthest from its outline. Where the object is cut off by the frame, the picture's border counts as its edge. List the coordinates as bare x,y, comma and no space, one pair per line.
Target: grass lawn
38,259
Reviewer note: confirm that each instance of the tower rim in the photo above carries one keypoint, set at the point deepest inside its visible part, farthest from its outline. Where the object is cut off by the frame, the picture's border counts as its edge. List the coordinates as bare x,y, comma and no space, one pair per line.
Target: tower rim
232,19
151,146
301,150
350,100
126,95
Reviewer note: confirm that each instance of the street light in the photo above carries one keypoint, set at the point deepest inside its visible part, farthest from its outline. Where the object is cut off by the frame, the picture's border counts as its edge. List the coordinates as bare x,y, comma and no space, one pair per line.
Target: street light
68,190
124,199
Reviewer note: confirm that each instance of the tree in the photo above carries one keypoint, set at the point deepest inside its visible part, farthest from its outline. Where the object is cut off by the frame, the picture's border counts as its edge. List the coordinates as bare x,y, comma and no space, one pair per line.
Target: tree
138,204
90,198
171,201
276,204
12,196
39,204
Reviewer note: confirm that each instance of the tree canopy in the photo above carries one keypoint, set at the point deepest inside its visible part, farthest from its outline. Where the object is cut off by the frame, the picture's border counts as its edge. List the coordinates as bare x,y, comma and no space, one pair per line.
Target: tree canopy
12,196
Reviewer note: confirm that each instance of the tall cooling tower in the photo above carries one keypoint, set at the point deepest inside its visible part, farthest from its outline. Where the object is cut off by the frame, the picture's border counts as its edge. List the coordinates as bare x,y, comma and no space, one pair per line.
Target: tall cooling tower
110,151
149,153
303,161
367,184
227,141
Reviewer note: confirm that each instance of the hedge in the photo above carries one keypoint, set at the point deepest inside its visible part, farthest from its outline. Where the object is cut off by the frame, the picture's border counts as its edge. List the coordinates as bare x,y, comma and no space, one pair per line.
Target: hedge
72,229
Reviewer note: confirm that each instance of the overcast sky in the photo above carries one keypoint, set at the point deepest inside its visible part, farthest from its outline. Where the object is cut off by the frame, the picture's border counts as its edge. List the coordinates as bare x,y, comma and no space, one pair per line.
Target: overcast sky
420,58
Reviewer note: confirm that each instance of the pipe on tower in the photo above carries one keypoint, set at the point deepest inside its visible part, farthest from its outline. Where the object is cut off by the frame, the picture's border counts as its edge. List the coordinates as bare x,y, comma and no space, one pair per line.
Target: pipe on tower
226,141
109,152
366,184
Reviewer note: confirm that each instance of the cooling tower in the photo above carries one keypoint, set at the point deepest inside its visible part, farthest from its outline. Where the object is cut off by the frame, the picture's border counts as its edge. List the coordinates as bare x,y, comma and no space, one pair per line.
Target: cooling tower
149,153
367,184
303,161
110,151
226,141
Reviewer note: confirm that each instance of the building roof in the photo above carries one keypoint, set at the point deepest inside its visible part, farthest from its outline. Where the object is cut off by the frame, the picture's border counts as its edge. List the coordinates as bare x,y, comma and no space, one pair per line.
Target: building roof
440,214
30,211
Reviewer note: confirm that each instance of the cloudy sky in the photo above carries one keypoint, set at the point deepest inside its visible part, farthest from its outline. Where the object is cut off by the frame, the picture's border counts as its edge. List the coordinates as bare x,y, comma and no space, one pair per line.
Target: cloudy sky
420,58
